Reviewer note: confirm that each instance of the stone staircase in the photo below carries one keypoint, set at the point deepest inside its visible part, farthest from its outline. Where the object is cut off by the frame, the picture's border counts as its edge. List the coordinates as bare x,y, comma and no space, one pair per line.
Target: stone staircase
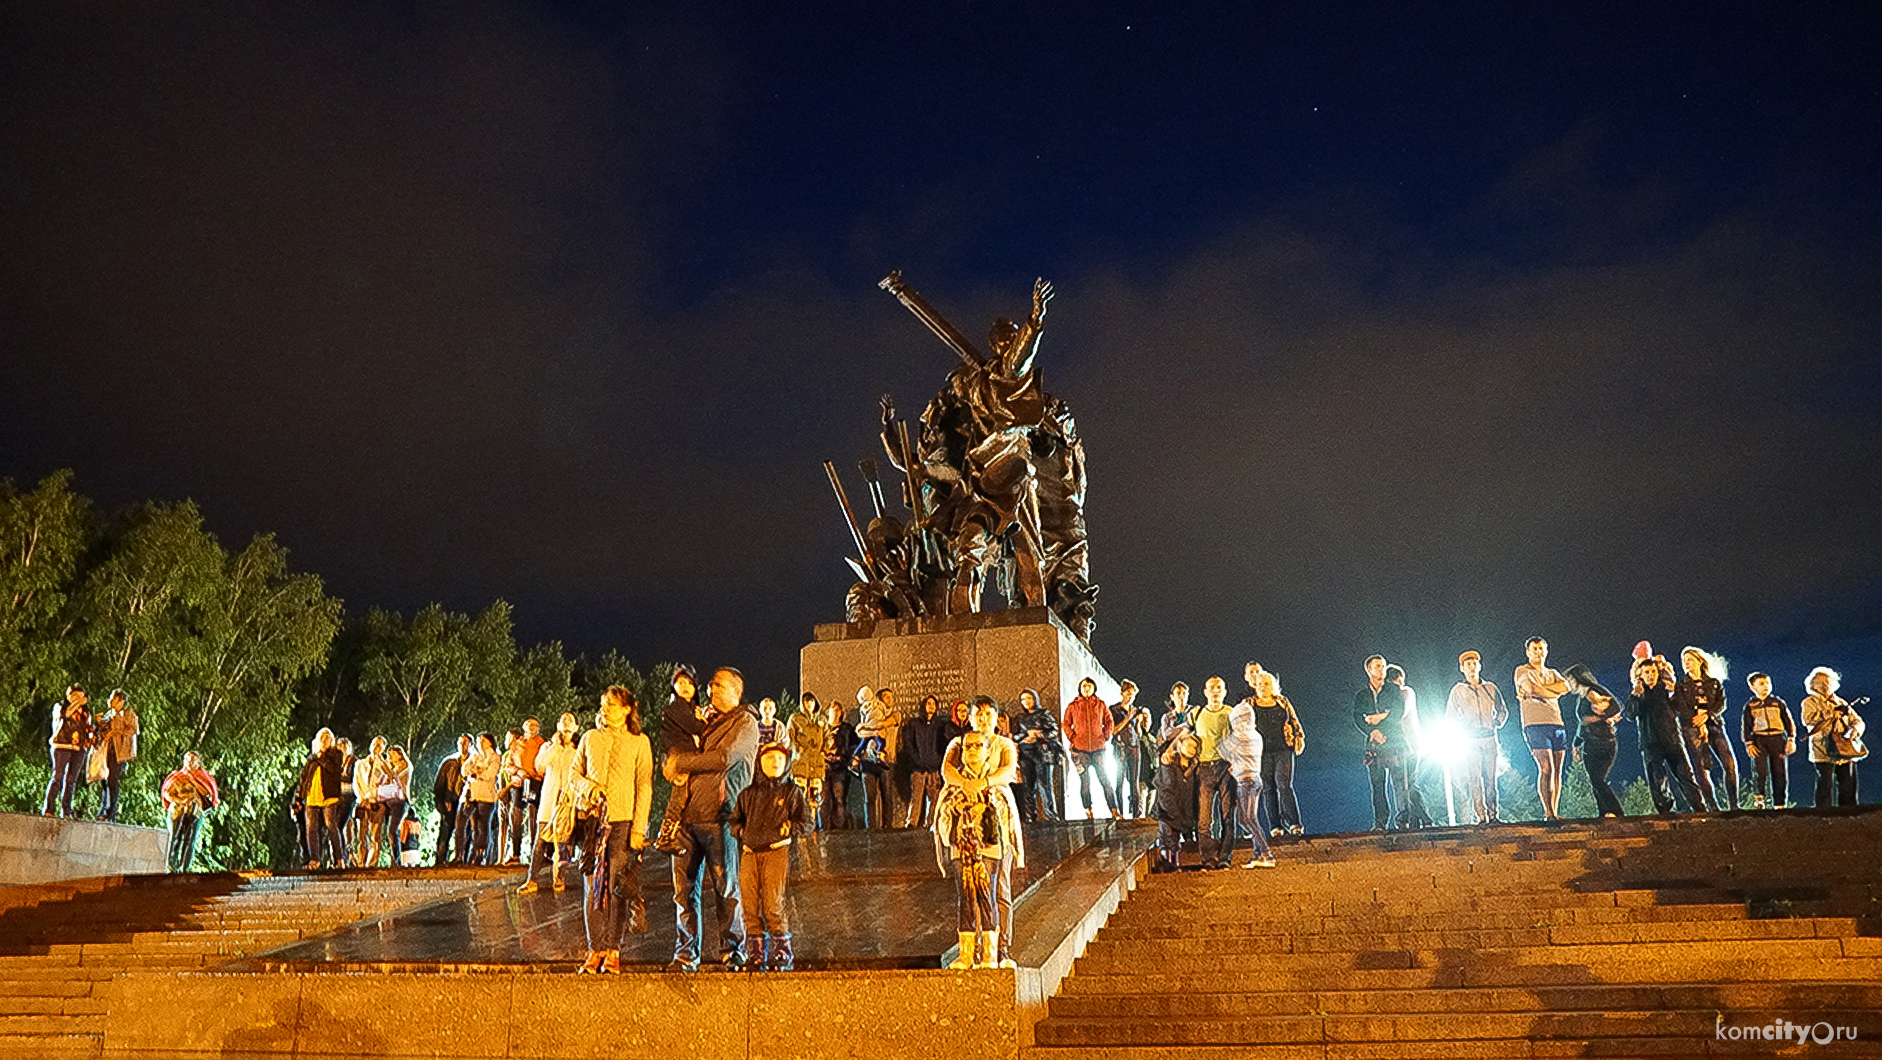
61,943
1639,937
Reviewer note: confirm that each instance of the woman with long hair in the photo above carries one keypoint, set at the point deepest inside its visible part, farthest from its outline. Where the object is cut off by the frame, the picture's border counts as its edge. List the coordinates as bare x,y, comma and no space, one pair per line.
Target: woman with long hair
1282,738
617,760
317,795
480,796
395,797
1699,697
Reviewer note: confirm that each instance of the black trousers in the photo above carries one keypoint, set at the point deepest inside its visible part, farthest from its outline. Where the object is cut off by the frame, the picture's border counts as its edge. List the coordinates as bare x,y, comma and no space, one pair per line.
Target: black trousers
1666,764
1597,757
1843,775
447,829
836,793
1387,770
1127,798
1215,812
1277,768
1771,769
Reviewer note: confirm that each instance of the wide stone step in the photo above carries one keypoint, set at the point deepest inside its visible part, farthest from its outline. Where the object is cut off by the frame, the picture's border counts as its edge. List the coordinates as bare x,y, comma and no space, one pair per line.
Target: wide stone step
1122,958
1745,997
1523,1027
1147,925
51,1045
1109,946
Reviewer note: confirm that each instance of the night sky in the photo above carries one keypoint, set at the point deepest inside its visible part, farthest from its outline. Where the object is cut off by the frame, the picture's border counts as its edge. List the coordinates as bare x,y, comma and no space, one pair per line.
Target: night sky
1395,328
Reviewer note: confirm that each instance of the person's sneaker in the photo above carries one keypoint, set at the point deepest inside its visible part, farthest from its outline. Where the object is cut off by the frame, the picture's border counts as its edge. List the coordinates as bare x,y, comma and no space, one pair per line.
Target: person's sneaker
592,965
611,965
733,960
681,964
1294,829
528,888
1259,863
1275,833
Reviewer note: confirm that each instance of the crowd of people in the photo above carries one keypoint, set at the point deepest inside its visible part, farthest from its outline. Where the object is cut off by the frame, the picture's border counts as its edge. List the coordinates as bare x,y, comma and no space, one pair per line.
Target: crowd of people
747,784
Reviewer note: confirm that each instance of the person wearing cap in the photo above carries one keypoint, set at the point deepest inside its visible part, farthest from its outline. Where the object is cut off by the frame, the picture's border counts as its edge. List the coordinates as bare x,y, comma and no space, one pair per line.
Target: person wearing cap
682,724
768,815
1476,707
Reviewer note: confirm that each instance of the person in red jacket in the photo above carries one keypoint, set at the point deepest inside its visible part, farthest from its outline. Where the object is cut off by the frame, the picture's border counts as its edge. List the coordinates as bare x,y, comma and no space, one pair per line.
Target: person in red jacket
1087,725
188,793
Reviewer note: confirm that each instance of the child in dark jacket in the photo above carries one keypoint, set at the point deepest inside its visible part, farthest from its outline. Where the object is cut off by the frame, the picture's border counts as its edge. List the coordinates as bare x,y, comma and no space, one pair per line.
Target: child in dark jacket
1176,799
681,729
768,815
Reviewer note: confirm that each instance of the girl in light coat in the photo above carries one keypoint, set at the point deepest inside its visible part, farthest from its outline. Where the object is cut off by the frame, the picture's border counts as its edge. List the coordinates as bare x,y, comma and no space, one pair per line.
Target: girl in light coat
555,813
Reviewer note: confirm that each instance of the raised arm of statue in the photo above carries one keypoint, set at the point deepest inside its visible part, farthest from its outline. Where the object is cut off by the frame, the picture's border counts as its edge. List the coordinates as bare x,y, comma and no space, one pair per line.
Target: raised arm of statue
938,324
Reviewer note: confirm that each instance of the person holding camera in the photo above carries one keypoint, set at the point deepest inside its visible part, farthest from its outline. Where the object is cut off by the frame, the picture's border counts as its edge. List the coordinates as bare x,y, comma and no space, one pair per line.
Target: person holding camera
1835,736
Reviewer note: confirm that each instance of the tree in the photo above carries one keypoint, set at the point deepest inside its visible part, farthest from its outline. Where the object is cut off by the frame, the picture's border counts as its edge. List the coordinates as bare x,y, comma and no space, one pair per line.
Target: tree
440,674
545,685
44,535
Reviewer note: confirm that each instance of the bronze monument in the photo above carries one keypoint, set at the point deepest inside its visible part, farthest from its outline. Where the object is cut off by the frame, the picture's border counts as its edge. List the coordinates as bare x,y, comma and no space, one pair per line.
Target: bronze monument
995,484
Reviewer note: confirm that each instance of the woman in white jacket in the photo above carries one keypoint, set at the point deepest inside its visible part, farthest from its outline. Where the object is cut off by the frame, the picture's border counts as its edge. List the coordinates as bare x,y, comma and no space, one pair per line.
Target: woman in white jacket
1835,737
555,811
480,795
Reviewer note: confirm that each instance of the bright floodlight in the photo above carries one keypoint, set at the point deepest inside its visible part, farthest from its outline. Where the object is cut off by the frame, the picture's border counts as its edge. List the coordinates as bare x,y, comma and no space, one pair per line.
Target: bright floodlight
1443,741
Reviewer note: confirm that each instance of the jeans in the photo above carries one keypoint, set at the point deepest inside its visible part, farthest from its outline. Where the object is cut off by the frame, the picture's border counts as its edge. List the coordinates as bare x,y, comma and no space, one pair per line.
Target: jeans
1039,797
68,772
1670,763
1248,797
323,835
110,802
1277,768
710,852
1844,775
522,810
762,875
1771,769
1717,745
924,790
836,793
1127,795
483,817
1386,769
606,927
183,828
1215,812
1480,762
1089,763
1597,757
1170,844
447,829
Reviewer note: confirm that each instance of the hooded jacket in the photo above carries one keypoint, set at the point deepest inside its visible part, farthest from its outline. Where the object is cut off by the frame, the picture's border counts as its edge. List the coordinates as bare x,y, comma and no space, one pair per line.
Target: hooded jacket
1651,709
1176,794
923,742
765,807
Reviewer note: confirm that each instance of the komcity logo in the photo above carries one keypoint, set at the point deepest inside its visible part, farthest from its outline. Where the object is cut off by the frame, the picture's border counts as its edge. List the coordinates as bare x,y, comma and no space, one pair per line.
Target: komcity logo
1782,1030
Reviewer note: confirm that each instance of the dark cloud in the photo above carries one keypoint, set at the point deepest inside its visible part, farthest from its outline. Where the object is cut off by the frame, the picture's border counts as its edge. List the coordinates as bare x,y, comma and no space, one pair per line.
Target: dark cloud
484,301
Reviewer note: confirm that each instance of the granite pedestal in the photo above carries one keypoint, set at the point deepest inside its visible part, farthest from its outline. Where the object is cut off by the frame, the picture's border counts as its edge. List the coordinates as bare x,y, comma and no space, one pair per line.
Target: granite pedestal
996,653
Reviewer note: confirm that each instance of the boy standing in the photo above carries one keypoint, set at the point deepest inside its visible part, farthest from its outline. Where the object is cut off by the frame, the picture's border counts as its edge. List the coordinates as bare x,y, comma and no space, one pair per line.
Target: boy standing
768,815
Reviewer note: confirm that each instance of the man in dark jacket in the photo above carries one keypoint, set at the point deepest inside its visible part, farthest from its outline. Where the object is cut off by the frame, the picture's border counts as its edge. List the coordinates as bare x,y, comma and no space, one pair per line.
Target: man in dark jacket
839,746
712,777
1662,743
1379,715
1036,733
923,743
444,792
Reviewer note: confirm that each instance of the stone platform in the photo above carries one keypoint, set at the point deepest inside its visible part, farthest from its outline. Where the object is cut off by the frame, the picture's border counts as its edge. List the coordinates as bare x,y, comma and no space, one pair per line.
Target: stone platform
995,653
474,975
35,849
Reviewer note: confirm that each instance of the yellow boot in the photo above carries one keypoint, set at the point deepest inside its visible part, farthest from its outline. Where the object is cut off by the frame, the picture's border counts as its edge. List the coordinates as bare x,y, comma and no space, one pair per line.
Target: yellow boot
966,958
990,955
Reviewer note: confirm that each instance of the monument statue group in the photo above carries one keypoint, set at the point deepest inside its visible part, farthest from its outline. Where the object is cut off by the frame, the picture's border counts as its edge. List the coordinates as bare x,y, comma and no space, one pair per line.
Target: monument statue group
994,483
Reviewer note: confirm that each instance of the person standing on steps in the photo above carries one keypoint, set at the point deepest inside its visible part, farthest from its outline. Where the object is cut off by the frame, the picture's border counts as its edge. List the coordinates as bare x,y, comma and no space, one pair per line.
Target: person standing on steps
1662,743
715,774
1087,728
318,794
617,760
1596,742
769,815
839,746
1379,715
188,794
1538,692
1130,726
117,741
1215,785
805,732
1414,747
1282,738
991,784
1176,799
72,736
920,756
1242,748
1036,732
1835,737
1476,707
1699,697
445,790
1770,735
555,803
